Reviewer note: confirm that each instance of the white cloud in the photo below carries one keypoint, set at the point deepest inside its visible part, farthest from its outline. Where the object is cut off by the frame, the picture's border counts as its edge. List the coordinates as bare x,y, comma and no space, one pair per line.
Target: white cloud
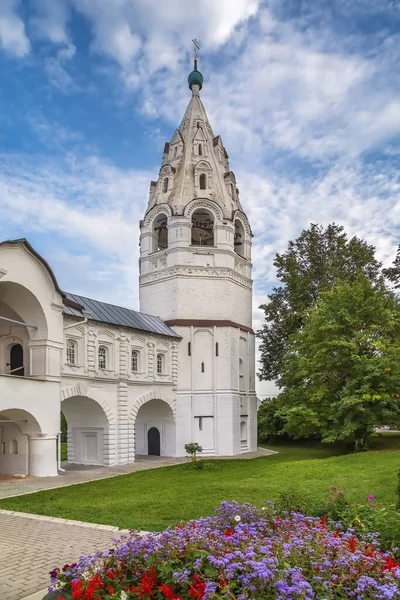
13,38
87,203
50,20
155,34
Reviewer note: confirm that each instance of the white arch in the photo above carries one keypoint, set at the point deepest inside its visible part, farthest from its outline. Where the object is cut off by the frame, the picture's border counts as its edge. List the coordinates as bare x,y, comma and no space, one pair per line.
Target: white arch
154,212
152,395
206,204
76,390
238,215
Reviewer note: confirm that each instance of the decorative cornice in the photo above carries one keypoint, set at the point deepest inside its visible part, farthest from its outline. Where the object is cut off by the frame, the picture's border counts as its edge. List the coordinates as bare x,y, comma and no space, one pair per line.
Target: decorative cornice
196,271
206,323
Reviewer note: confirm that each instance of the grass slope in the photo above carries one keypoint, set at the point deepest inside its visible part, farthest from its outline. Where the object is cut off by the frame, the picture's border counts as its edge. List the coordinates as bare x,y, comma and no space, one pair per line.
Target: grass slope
156,498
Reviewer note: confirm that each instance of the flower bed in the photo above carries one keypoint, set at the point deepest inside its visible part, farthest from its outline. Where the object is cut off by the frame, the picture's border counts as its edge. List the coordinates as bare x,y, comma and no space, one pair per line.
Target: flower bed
239,553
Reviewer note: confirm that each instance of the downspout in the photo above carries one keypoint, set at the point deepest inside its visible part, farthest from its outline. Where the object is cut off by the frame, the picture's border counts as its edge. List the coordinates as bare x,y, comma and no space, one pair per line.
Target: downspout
85,320
59,454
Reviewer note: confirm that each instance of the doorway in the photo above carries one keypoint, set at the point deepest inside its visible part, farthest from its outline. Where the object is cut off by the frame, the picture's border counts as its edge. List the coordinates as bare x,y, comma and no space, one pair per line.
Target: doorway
153,439
16,363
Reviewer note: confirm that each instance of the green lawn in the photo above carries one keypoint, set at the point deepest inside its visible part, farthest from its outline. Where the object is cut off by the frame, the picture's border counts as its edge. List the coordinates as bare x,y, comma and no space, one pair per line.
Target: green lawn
156,498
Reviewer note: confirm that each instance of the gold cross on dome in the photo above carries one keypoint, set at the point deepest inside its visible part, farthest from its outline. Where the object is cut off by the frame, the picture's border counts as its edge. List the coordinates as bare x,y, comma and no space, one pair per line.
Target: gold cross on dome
196,47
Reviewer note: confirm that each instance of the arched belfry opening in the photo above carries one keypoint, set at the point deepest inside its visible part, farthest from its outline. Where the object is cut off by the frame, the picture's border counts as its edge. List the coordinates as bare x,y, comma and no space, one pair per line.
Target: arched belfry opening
202,228
160,233
239,239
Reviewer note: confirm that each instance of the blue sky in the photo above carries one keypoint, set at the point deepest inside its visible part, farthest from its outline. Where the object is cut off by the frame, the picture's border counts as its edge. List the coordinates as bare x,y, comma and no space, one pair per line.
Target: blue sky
305,94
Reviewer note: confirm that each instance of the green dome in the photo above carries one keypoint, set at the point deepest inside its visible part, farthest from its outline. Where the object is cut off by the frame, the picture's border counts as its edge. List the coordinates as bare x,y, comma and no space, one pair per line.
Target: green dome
195,78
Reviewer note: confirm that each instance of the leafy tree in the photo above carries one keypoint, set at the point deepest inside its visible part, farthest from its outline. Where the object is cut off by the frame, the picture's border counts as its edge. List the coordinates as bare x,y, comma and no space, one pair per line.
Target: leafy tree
314,262
193,448
393,273
341,375
269,422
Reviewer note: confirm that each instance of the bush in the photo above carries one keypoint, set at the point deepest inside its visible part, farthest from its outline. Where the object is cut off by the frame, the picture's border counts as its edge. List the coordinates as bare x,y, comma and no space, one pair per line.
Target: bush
240,552
270,424
362,518
193,448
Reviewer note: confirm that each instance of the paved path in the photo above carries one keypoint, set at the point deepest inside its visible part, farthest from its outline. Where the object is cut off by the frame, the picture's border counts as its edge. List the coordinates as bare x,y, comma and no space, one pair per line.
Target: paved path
31,545
82,474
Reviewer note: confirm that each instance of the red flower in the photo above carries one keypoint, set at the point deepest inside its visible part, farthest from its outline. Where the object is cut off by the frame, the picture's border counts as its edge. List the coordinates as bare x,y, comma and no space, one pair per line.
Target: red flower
110,590
352,544
60,598
197,588
323,521
390,564
77,594
110,574
229,532
166,591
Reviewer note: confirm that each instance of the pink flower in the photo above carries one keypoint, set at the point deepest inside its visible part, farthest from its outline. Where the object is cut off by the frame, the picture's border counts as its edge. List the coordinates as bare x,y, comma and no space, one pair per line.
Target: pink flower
370,497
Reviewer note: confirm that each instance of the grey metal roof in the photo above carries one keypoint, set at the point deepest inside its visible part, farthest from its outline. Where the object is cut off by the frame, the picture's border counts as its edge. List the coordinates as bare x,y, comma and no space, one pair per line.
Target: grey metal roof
116,315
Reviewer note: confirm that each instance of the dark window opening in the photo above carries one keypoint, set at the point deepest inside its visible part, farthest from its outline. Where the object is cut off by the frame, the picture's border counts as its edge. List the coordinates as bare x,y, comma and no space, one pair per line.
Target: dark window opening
203,181
200,423
16,363
189,349
200,150
202,367
165,185
202,229
216,349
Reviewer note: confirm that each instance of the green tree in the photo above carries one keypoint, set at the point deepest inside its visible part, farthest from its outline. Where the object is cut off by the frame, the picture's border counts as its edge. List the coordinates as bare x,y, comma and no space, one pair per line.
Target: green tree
341,375
393,273
314,262
270,424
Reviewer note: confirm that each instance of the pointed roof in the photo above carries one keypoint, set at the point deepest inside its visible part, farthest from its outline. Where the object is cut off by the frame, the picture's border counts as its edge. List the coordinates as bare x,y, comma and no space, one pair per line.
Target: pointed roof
194,150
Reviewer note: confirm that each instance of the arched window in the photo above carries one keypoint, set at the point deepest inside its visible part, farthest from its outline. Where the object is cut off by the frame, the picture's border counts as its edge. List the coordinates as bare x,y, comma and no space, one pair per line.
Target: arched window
175,151
243,431
165,185
71,352
202,228
160,364
201,151
134,361
203,181
239,238
202,367
103,352
13,447
160,233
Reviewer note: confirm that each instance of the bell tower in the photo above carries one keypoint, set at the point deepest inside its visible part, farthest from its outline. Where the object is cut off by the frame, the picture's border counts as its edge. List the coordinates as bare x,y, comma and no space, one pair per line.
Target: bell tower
195,274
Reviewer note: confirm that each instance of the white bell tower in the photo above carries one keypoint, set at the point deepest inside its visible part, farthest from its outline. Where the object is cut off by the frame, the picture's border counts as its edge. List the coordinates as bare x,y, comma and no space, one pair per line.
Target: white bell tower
195,274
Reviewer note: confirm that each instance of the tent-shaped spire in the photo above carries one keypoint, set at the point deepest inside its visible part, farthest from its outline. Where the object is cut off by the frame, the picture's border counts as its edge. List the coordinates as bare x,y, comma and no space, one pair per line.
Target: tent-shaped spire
195,163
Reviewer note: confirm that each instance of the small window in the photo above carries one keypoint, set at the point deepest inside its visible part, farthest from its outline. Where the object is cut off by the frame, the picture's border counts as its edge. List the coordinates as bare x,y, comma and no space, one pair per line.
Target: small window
160,364
165,185
71,352
102,357
200,423
189,349
3,447
203,181
202,367
243,431
134,361
216,349
13,447
175,151
200,150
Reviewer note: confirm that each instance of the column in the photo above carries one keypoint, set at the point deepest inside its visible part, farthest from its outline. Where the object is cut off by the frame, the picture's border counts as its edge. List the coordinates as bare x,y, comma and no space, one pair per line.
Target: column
42,455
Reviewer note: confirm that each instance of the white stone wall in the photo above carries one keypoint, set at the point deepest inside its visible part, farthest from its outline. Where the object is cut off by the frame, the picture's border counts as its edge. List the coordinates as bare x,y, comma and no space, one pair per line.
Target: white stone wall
108,400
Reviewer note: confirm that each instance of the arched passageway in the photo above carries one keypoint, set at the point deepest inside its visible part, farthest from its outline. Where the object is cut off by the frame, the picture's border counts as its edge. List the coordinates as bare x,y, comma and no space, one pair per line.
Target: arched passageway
24,449
89,440
155,429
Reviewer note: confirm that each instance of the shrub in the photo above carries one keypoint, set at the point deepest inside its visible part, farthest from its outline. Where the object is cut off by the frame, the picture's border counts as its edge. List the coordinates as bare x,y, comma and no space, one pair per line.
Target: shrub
362,518
238,553
193,448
